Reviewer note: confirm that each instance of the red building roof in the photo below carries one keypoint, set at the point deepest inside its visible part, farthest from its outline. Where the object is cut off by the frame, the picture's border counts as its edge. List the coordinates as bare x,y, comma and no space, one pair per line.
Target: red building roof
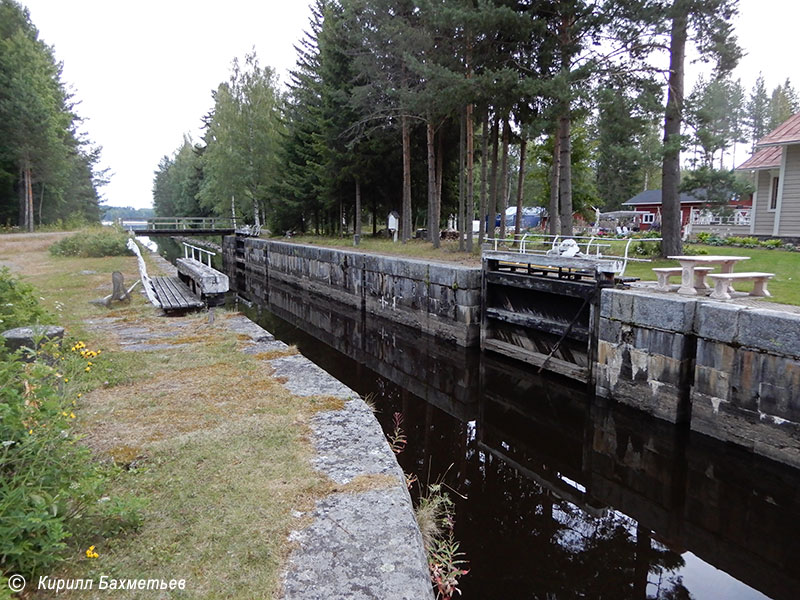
764,158
787,132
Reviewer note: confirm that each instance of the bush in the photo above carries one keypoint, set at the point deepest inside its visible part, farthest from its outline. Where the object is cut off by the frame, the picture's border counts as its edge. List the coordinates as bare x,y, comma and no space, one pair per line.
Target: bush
18,303
772,244
51,486
646,249
107,241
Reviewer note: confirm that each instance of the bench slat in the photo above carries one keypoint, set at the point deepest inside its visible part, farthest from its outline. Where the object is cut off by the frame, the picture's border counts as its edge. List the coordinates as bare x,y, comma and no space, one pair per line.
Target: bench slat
174,294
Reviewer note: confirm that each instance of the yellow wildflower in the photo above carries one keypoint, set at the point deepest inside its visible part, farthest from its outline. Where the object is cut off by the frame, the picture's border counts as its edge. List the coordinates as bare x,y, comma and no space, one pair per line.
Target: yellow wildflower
87,369
71,415
90,553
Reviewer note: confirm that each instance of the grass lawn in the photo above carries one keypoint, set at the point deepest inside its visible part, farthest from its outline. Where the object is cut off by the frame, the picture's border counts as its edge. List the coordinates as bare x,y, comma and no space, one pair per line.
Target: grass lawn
419,249
784,287
214,448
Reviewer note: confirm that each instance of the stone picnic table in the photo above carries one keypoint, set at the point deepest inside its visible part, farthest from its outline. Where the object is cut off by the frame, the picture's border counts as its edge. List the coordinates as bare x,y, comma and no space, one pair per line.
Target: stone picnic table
688,264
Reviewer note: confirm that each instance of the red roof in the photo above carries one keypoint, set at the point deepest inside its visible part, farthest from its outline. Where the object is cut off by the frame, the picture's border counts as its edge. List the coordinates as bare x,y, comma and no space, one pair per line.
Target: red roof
787,132
764,158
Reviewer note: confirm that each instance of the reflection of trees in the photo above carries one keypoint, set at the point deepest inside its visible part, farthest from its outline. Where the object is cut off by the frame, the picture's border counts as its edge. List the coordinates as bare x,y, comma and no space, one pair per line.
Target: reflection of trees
521,540
537,545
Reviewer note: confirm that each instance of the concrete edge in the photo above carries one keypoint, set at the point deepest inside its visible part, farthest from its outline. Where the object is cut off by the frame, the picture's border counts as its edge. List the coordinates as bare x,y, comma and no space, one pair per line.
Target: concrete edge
362,544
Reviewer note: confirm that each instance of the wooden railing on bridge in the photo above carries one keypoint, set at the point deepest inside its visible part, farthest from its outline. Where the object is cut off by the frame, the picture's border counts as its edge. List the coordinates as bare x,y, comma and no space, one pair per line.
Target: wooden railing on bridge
187,224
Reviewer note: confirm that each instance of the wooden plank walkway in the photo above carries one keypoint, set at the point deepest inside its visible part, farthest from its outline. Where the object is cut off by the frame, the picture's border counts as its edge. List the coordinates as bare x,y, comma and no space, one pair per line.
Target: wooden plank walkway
174,294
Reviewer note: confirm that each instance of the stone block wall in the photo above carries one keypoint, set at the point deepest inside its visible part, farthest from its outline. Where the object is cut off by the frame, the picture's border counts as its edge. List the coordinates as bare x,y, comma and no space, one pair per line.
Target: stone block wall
645,352
438,299
747,379
732,371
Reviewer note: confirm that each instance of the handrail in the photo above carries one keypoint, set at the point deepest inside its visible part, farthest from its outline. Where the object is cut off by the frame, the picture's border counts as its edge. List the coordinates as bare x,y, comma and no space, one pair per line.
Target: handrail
554,240
201,252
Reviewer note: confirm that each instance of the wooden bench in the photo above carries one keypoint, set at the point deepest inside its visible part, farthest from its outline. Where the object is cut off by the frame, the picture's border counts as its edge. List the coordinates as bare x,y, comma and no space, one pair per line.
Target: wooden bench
173,294
723,282
664,273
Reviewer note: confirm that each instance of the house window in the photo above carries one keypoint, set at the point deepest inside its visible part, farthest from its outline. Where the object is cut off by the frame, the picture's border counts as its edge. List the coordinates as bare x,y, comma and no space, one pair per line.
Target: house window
648,218
773,197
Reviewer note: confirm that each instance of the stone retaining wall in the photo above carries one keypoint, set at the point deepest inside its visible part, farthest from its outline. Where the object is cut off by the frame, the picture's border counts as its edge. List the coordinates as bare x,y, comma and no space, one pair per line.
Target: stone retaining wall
732,371
439,299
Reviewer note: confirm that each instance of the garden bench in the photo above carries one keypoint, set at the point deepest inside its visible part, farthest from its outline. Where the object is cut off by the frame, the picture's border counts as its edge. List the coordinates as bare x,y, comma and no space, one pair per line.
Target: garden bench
664,273
723,281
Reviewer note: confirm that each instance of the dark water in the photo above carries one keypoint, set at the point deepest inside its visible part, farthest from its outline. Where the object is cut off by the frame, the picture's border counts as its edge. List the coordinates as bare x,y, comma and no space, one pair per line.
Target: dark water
171,248
558,494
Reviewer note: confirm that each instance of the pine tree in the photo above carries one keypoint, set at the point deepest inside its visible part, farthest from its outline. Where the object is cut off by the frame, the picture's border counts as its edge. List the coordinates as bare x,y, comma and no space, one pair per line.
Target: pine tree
757,112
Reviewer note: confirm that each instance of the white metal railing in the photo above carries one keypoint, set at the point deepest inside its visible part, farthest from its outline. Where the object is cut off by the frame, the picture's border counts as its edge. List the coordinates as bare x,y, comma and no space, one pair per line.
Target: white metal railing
706,217
523,243
201,252
178,223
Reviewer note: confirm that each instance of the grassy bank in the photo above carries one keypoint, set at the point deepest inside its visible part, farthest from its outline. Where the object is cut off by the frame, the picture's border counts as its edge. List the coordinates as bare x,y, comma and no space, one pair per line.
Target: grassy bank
785,265
215,450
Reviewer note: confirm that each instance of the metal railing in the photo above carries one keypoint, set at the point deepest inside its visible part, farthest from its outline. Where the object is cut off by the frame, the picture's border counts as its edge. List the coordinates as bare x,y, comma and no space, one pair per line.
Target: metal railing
705,217
201,253
591,246
178,223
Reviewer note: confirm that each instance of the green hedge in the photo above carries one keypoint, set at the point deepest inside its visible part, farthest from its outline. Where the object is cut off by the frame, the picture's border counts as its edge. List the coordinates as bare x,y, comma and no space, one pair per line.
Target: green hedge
107,241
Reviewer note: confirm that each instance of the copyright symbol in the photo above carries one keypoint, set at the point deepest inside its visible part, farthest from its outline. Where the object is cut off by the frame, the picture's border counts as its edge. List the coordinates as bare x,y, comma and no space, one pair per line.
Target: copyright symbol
16,583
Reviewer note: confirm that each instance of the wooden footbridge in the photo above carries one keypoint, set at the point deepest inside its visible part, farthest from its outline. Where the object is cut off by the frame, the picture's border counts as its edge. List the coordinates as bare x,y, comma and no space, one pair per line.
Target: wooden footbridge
182,226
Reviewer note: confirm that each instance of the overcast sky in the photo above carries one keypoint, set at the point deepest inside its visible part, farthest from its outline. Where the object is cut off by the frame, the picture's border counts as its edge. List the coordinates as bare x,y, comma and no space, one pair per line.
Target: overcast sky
144,71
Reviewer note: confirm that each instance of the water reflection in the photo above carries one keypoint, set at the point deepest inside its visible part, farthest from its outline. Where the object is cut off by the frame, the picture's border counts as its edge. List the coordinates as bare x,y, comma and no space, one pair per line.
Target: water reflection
559,495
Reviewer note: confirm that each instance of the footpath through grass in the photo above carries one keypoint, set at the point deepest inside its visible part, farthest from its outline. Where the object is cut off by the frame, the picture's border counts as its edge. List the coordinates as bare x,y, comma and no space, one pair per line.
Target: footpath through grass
215,450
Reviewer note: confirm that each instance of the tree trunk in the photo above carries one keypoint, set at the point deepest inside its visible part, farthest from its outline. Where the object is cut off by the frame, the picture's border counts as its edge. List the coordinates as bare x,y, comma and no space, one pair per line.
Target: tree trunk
233,210
493,179
523,146
484,176
433,218
462,134
357,216
470,192
503,204
374,215
671,171
554,222
565,179
439,175
27,198
405,228
41,202
256,218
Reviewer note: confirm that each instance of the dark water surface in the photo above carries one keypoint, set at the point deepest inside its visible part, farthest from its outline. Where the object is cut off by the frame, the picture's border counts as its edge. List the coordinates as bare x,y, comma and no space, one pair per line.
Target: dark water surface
558,494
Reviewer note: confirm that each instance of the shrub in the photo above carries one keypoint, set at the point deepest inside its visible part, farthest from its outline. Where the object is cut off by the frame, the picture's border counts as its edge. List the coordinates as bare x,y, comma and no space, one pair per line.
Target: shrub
646,249
703,237
106,241
51,486
772,244
18,303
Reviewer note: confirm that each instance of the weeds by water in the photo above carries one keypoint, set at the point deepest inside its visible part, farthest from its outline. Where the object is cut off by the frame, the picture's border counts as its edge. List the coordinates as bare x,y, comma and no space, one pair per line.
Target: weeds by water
435,514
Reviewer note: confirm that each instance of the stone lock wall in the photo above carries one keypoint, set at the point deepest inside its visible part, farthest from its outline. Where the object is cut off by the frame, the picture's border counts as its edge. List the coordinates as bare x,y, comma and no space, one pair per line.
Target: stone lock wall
731,371
439,299
645,352
747,379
